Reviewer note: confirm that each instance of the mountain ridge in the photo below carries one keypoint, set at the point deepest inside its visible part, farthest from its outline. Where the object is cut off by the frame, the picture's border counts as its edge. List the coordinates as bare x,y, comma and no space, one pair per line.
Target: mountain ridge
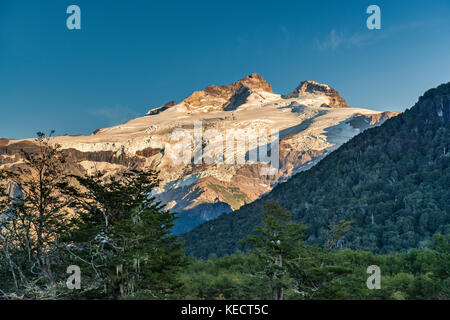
308,127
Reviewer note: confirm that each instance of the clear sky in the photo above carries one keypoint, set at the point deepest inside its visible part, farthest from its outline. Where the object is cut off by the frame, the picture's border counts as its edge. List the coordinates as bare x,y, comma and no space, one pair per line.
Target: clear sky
133,55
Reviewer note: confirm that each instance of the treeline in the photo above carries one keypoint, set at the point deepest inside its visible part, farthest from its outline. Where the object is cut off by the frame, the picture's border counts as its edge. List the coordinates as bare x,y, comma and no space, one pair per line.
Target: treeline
418,274
281,265
116,243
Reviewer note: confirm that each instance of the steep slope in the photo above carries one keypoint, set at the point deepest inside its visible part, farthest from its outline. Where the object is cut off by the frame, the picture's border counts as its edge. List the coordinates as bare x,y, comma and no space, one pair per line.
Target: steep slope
312,121
392,181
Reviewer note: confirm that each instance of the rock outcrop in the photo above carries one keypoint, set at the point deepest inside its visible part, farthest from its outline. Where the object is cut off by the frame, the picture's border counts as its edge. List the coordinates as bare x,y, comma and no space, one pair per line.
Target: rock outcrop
228,96
314,88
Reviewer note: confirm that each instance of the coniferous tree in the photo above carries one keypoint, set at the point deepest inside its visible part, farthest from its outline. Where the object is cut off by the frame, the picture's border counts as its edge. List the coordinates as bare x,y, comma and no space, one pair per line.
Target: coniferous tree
124,237
278,243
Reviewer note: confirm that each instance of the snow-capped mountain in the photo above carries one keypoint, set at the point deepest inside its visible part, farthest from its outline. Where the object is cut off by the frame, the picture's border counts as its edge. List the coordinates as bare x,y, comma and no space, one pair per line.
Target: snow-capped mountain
312,121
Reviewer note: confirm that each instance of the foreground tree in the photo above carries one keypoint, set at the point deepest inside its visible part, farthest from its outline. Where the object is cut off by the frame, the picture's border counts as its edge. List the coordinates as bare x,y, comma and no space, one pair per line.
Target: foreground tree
33,215
122,237
109,226
441,272
289,263
277,244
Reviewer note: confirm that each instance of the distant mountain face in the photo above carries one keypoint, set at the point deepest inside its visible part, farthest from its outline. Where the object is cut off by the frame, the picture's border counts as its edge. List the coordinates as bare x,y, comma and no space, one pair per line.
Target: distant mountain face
392,181
313,88
312,121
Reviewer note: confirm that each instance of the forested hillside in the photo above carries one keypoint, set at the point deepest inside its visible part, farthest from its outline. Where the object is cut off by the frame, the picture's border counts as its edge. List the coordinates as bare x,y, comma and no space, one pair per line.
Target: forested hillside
392,182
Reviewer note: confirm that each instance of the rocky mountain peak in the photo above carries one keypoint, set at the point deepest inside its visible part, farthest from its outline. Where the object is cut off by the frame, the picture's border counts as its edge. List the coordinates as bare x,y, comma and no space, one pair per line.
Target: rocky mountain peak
223,95
316,88
255,81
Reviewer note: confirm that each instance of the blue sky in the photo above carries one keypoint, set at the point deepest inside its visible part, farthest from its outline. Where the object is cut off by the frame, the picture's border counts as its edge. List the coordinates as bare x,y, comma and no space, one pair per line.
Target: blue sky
133,55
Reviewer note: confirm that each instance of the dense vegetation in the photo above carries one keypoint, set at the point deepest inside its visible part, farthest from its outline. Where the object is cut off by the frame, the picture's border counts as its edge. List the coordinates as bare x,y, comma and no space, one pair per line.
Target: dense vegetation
418,274
392,182
122,242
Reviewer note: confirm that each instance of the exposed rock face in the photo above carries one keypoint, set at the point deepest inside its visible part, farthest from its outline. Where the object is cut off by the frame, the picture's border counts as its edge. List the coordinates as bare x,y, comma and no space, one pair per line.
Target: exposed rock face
442,108
364,121
162,108
228,96
309,128
3,142
314,88
437,101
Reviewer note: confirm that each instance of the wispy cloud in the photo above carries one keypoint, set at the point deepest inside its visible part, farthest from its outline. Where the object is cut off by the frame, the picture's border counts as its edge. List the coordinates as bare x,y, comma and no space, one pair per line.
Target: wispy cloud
336,39
332,41
114,115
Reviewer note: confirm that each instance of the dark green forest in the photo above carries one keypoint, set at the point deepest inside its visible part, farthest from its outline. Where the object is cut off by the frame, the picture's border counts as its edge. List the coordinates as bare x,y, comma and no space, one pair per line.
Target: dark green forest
392,182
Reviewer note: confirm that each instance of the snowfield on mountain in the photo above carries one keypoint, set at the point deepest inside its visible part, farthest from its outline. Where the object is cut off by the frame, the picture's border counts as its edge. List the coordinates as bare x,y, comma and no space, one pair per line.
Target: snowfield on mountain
312,121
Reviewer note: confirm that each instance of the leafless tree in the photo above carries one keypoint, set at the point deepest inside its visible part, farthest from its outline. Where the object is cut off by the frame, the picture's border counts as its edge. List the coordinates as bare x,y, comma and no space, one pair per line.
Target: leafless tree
33,217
